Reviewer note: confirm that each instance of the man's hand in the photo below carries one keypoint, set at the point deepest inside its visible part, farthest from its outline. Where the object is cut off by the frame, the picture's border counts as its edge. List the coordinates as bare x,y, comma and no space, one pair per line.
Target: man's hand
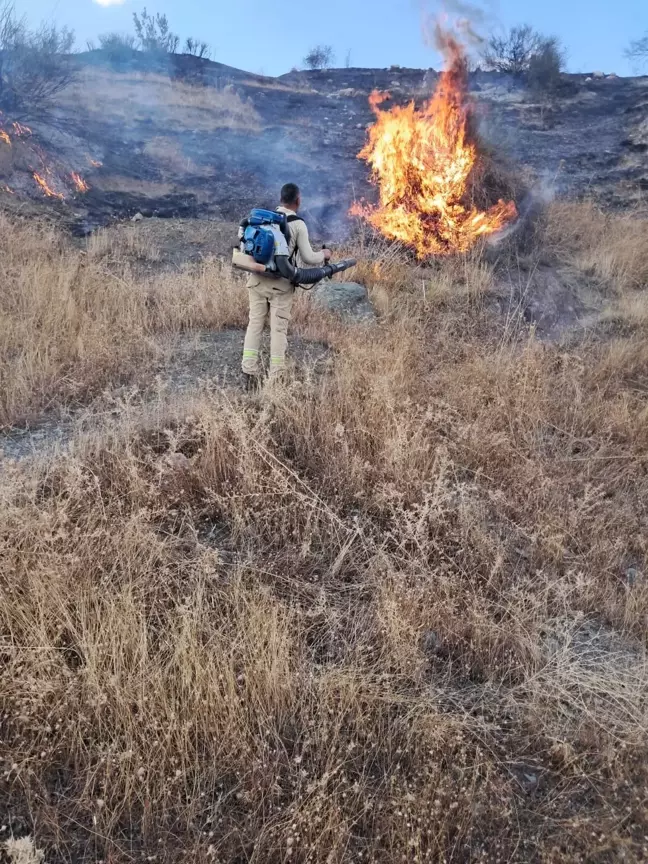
327,254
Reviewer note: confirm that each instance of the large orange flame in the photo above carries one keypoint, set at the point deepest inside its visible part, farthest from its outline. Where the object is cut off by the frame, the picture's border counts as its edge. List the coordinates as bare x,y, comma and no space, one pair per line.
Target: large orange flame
4,137
422,161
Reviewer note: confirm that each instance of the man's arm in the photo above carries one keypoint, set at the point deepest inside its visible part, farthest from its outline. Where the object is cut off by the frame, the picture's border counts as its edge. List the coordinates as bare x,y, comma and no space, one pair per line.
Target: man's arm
306,251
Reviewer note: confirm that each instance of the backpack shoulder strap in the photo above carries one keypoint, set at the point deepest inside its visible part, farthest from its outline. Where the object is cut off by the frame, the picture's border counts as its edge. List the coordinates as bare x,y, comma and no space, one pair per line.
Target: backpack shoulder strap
289,220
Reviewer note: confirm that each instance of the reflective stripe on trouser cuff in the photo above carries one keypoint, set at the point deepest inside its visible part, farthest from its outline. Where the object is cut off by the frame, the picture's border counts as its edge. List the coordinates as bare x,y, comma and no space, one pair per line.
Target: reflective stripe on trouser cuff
277,361
250,352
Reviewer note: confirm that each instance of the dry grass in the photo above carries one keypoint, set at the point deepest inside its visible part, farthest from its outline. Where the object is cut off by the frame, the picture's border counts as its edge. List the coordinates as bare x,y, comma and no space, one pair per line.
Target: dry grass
607,248
394,613
70,322
137,97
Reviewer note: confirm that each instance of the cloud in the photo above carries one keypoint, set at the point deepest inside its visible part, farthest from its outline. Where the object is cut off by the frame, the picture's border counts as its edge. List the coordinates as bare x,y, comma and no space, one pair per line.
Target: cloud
109,2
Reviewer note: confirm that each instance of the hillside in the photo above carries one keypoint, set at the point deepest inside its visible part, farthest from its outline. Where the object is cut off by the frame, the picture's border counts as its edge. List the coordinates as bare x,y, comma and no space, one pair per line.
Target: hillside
172,148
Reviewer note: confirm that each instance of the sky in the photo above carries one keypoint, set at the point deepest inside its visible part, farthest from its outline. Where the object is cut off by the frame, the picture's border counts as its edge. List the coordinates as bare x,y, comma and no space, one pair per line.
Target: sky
374,33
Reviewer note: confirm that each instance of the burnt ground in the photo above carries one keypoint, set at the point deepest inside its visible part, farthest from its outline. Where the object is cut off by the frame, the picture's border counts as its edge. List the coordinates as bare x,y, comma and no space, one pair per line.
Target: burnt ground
167,153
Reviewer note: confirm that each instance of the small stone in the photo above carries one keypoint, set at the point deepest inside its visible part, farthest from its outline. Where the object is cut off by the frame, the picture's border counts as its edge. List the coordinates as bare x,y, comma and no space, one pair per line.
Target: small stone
137,217
347,299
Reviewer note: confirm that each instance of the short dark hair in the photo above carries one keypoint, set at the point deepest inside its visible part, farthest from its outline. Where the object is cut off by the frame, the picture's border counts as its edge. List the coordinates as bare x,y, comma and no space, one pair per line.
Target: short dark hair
289,193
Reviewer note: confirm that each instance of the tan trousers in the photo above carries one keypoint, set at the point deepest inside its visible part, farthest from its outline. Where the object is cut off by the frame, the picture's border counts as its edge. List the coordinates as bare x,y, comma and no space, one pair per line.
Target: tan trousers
274,296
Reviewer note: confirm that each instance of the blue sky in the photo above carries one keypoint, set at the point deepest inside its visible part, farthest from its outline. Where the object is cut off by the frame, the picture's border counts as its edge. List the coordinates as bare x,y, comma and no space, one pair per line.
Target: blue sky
375,32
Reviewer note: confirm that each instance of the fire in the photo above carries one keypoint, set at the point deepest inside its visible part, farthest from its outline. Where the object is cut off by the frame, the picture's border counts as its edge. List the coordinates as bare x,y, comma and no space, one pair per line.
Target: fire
95,163
421,161
79,182
46,188
4,137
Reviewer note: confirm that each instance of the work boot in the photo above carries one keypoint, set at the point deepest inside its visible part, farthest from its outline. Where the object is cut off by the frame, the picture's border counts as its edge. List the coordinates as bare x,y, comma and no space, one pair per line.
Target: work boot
252,383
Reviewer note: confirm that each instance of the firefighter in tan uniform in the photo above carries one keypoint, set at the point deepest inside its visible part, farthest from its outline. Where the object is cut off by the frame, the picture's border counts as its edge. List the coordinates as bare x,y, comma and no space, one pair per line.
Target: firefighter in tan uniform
268,294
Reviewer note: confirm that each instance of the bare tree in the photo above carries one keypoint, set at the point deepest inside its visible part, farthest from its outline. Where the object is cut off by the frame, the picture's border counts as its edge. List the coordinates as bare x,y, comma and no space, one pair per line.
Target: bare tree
512,52
34,65
154,33
320,57
638,51
197,48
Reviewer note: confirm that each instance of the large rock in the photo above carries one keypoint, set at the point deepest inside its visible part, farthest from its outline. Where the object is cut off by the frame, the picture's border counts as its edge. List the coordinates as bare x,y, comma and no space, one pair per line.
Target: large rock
347,299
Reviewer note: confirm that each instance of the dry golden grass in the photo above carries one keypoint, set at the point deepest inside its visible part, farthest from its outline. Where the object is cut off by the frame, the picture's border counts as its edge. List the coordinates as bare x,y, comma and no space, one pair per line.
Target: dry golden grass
70,322
611,249
139,97
169,152
396,612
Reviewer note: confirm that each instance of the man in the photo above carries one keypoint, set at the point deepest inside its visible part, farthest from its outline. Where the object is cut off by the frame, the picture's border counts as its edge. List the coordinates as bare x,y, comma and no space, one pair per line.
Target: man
268,294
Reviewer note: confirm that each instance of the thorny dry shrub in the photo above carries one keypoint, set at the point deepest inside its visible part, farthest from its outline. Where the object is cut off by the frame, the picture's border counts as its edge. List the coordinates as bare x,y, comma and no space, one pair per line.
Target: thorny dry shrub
71,322
394,613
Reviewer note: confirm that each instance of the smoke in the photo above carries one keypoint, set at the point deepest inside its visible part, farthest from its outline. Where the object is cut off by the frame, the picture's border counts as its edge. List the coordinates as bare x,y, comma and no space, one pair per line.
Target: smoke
446,23
106,3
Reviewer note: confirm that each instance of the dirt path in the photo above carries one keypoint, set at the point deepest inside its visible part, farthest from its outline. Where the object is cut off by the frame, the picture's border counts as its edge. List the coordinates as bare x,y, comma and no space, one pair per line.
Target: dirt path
197,362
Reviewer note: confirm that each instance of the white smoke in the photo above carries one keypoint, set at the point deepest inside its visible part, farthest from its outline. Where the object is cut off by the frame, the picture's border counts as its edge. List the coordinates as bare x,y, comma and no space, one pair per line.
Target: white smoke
109,2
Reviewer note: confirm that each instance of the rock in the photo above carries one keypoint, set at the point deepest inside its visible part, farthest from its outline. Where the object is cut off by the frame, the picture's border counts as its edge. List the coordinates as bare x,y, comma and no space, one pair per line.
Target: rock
347,299
137,217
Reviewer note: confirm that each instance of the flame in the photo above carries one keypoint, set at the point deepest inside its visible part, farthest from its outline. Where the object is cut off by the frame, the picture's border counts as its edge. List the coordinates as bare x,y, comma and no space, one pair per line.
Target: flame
95,163
46,188
421,161
7,189
79,182
4,137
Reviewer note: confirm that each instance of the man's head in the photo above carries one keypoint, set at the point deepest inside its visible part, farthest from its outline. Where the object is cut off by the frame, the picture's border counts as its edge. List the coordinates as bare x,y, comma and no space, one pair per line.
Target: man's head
291,196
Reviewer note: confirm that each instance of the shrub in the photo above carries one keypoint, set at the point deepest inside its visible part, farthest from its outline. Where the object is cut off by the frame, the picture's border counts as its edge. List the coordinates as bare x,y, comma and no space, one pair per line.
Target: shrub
512,53
34,64
197,48
119,47
320,57
545,67
154,33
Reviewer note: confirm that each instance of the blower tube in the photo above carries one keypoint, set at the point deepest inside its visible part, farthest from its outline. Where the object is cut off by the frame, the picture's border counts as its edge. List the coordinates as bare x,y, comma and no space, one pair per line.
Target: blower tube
299,276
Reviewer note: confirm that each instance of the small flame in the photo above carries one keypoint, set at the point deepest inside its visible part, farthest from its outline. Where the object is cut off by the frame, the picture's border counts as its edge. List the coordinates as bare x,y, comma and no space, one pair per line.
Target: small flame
46,188
79,182
422,161
4,137
94,163
8,189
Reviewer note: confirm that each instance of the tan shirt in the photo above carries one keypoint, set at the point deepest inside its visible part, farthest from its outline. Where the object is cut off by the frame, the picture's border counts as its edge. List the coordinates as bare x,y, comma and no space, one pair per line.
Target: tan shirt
299,240
306,255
